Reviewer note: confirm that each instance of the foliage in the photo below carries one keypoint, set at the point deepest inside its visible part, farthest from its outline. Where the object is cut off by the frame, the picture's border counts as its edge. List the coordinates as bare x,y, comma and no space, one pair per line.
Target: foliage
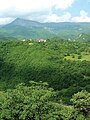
81,101
34,102
38,102
21,61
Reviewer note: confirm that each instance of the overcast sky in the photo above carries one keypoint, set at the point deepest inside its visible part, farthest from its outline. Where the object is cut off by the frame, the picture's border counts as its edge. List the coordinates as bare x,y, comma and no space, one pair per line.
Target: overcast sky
45,10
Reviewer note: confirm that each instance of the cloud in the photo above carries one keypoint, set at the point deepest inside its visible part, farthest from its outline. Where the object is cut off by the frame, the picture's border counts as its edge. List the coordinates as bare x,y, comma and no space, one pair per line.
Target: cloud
22,7
39,10
82,18
25,8
63,4
57,18
33,5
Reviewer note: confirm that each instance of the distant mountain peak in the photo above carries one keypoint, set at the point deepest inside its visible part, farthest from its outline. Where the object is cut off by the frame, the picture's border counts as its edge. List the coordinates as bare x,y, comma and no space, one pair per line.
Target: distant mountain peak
25,20
18,19
26,23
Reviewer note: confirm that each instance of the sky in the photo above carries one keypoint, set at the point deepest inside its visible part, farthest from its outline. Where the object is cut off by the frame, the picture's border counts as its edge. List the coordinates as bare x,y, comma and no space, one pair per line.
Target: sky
45,10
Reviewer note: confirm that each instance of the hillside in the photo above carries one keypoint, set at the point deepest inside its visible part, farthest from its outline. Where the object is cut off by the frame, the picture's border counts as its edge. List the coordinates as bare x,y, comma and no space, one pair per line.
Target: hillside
27,29
53,61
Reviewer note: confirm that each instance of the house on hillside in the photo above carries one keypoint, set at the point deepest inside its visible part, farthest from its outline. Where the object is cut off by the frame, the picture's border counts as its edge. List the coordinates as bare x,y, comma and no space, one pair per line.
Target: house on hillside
42,40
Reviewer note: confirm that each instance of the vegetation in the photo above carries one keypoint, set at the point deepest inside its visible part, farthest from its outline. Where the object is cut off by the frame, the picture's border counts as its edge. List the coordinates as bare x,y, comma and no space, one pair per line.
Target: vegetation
27,29
44,80
37,102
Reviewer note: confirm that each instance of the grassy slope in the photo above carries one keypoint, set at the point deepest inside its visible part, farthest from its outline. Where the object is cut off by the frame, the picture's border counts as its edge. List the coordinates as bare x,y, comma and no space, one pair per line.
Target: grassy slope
83,57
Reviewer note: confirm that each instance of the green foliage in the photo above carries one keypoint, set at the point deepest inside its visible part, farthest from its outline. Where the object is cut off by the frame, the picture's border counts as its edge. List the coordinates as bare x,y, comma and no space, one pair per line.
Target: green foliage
35,102
81,102
38,102
79,57
25,102
21,61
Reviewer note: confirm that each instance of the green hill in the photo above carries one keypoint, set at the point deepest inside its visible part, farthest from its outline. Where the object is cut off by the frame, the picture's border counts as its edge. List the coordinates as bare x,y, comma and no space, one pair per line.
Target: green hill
22,61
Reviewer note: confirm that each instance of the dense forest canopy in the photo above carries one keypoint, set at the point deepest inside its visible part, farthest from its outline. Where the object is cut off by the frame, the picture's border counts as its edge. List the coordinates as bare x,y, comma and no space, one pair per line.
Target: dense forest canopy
57,70
38,102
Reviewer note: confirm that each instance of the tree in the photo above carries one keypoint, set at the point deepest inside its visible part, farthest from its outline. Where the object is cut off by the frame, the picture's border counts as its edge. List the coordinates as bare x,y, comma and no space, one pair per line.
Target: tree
81,102
32,102
37,102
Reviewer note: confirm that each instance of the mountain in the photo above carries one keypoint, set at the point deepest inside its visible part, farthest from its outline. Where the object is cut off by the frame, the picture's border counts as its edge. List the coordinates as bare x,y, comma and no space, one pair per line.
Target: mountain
26,29
24,23
1,26
83,37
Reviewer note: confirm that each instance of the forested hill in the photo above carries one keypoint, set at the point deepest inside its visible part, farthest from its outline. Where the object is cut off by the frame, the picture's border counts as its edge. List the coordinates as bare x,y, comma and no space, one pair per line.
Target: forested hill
44,80
64,65
27,29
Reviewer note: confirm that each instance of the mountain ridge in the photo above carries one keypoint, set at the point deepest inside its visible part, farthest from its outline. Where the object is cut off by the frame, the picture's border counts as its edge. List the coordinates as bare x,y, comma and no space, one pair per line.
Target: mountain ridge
22,28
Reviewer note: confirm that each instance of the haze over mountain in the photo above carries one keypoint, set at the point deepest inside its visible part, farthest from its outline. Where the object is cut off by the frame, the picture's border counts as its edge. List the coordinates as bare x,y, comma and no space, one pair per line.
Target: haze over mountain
28,29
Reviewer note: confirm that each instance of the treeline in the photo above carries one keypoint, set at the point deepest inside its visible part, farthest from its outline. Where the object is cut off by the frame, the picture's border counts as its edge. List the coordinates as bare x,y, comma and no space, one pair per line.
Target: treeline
38,102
